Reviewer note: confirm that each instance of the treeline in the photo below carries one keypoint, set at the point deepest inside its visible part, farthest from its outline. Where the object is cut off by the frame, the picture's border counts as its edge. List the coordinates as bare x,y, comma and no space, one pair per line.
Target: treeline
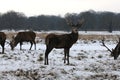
94,21
18,21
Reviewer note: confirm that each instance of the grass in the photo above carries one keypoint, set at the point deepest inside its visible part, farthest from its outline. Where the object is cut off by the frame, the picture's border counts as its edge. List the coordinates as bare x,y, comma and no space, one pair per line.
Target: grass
81,36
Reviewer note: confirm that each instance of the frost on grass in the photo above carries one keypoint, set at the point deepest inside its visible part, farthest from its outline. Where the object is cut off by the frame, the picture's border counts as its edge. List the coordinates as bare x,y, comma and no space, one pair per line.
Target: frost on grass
88,61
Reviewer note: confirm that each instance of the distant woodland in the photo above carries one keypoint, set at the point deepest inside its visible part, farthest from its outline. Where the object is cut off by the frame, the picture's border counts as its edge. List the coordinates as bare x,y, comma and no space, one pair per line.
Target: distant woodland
94,21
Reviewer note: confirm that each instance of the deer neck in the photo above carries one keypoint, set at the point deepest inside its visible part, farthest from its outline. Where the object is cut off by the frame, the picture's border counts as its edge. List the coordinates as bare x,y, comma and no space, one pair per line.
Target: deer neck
74,36
16,42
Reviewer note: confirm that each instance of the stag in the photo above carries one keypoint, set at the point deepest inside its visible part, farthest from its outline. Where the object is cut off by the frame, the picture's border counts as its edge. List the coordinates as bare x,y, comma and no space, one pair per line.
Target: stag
2,40
21,37
62,41
114,52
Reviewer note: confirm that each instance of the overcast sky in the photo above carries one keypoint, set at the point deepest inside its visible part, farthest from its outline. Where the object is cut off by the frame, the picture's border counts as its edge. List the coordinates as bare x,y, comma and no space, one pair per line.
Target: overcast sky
58,7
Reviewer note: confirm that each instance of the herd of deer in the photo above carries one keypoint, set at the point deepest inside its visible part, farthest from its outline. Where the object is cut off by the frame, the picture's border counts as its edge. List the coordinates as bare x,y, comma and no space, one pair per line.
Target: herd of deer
53,41
20,38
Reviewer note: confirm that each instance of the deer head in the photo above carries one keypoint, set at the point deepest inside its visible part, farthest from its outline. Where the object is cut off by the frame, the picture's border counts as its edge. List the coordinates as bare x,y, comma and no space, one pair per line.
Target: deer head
12,43
114,52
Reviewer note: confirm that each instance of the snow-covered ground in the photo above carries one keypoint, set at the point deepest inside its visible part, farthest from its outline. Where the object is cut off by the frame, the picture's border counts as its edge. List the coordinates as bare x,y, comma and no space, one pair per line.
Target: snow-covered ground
88,61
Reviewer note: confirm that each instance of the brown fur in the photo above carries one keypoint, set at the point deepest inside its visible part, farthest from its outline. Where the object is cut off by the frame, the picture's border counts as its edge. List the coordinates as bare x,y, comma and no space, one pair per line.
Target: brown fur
116,51
23,37
60,41
2,40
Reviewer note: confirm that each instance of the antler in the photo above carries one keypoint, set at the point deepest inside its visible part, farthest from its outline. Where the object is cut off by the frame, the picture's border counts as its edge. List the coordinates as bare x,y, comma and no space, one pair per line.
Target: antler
103,44
74,20
80,22
69,22
69,19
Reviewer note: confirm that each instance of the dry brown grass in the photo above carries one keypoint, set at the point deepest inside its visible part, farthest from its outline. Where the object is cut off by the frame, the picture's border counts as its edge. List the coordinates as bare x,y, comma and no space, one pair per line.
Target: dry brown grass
81,36
98,37
10,34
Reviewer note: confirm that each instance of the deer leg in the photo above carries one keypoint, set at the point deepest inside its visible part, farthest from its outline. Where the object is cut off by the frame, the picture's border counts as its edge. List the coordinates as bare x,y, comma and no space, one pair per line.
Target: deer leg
64,55
20,45
31,45
46,55
67,52
2,47
34,44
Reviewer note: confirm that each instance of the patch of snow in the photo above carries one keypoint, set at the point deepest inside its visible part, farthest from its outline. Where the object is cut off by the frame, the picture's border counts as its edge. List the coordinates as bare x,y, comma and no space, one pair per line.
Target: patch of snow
88,61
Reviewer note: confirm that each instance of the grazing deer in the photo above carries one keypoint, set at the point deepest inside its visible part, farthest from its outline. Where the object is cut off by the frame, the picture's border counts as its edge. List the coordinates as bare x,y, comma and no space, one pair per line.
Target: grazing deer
114,52
62,41
2,40
21,37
